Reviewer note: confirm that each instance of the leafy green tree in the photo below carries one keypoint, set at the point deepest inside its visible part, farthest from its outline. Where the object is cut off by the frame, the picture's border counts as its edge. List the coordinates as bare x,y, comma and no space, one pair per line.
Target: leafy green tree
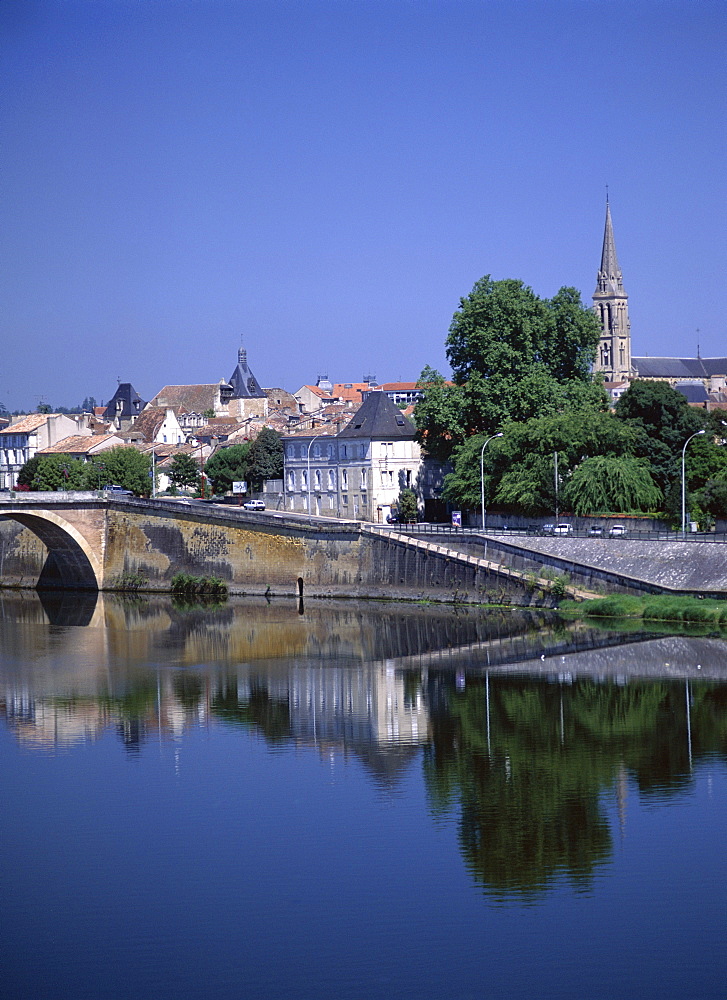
43,408
184,471
407,505
612,484
227,466
28,471
265,458
439,414
529,486
513,356
712,498
89,404
704,460
121,466
664,421
519,468
57,472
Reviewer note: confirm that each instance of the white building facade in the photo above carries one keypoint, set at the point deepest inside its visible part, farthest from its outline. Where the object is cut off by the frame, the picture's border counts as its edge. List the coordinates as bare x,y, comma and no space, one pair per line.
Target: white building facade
357,473
21,440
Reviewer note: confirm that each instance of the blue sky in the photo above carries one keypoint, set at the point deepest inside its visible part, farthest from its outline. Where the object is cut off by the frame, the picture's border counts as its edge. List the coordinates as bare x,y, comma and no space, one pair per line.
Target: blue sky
326,178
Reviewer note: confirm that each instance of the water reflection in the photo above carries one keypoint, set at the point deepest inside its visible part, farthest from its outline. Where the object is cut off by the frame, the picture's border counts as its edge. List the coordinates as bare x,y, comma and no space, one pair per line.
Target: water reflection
530,734
530,767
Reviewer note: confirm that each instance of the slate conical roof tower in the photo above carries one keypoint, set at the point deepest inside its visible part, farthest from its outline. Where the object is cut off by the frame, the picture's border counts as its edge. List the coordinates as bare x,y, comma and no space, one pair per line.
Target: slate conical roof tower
611,305
243,382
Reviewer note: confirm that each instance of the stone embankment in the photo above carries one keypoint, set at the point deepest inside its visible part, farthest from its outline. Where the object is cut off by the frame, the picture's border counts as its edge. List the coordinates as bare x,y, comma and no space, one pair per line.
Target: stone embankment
608,565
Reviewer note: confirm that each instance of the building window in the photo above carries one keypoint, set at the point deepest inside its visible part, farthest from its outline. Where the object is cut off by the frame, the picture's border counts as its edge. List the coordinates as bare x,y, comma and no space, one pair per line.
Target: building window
363,479
304,480
317,479
291,482
344,498
331,479
344,479
343,451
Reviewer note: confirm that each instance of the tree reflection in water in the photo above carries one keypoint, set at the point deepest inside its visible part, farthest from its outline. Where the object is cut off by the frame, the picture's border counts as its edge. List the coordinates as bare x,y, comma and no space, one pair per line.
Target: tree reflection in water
530,766
529,777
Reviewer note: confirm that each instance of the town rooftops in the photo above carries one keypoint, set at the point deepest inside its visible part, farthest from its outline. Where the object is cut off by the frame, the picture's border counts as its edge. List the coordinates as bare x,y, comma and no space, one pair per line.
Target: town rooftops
81,444
693,392
195,398
125,403
28,424
378,418
148,423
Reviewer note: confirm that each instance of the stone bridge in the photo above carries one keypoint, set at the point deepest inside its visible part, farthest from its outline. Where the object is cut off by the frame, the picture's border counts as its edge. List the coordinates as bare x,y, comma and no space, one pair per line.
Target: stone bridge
94,542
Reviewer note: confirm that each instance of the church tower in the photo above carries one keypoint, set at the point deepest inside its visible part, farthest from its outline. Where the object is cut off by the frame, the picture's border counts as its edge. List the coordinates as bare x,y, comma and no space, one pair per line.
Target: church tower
611,305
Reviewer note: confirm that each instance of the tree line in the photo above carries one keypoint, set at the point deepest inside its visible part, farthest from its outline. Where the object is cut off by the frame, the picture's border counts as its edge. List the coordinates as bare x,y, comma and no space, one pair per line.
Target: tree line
522,367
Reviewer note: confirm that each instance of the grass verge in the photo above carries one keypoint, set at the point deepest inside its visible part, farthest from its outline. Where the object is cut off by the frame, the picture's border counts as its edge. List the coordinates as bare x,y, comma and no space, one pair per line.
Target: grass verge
652,608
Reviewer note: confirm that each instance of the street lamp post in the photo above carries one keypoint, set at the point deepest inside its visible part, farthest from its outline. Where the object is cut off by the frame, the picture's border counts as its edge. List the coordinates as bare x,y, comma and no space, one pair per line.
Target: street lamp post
309,483
482,475
684,488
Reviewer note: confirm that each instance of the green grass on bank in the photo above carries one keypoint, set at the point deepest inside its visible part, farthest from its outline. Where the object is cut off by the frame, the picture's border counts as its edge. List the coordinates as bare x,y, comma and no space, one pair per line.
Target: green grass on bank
652,608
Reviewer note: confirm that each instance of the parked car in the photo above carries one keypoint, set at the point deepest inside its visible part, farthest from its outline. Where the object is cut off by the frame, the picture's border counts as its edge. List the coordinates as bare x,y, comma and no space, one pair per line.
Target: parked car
254,505
563,529
617,531
118,491
595,530
548,529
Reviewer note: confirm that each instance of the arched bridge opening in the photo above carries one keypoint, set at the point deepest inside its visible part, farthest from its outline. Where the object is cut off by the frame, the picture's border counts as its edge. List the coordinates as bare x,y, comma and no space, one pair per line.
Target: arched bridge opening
70,562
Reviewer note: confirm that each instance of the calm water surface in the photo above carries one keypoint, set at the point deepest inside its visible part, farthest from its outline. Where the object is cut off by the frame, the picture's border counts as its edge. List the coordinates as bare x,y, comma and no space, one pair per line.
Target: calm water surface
356,801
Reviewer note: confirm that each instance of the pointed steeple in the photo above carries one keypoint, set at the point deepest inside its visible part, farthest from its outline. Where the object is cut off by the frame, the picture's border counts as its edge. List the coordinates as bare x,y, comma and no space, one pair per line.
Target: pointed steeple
611,305
609,278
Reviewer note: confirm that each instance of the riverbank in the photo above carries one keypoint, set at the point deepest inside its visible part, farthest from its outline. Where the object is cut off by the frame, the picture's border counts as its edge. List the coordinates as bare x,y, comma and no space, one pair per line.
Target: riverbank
651,608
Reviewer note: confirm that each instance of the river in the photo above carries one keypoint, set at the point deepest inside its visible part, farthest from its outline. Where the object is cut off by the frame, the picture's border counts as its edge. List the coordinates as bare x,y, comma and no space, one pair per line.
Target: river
344,800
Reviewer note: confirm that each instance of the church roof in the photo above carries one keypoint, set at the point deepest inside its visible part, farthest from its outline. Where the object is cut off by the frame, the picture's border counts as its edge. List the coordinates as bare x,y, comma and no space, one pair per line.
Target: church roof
243,382
378,418
679,367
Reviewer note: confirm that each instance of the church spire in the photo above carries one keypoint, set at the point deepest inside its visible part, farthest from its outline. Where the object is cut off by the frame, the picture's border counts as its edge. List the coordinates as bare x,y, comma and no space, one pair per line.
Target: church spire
610,303
609,275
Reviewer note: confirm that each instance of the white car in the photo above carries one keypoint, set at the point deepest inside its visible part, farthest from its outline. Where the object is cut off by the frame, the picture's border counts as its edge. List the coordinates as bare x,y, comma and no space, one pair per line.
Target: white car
254,505
617,531
563,529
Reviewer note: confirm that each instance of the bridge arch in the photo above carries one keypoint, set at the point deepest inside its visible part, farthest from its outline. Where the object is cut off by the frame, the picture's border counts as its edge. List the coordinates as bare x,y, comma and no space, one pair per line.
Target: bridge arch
71,561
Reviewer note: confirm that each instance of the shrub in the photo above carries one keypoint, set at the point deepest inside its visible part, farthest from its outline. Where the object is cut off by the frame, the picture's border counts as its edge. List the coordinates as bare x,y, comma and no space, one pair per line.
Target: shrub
198,586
